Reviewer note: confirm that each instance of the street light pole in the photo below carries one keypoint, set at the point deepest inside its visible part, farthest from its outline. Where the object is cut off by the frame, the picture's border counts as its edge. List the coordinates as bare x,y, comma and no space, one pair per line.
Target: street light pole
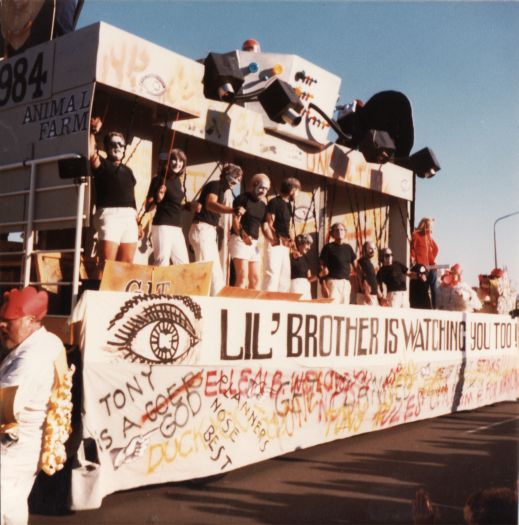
496,221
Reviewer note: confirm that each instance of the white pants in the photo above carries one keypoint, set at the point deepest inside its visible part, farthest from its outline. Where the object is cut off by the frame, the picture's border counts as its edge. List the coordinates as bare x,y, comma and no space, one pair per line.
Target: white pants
17,475
277,271
371,300
398,299
169,244
203,238
340,290
301,285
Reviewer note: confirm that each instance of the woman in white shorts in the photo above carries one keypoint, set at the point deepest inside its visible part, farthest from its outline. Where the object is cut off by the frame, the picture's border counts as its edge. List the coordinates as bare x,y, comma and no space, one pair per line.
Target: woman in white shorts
250,214
116,216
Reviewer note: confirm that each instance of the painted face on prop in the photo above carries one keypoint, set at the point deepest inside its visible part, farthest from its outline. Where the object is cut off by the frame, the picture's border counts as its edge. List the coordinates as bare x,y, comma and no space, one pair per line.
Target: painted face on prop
20,314
232,180
261,189
115,148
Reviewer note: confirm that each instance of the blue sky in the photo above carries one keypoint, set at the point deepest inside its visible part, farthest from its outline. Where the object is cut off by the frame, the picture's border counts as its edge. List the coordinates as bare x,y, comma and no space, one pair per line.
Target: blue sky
457,62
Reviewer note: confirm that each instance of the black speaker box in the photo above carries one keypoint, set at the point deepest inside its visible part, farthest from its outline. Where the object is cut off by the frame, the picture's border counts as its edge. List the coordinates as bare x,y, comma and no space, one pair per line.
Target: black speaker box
278,98
221,69
73,168
377,146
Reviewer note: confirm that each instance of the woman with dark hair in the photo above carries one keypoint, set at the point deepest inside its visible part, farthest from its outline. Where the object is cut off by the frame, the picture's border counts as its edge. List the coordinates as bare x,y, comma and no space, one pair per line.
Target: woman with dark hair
167,194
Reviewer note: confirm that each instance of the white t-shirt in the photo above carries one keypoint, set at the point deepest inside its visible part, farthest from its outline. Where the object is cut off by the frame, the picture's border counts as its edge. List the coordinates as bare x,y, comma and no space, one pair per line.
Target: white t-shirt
30,367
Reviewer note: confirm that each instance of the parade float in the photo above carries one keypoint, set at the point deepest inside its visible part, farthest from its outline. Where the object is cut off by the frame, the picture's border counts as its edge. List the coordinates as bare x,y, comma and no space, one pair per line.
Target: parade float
179,385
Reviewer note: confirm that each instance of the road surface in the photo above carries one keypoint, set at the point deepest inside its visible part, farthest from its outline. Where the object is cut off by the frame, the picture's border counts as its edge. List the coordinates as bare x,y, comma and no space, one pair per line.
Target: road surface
361,480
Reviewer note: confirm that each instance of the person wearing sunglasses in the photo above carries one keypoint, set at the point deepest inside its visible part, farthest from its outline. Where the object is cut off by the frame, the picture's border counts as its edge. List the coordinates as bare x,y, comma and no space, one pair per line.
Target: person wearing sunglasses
167,194
203,234
116,215
250,215
280,212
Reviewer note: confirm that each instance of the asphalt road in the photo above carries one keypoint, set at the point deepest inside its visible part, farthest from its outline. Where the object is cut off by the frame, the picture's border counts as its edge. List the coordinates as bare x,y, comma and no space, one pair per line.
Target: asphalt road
364,479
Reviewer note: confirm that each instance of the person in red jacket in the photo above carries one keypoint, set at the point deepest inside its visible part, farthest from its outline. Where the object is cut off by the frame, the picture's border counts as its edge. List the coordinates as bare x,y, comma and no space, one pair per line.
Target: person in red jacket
424,251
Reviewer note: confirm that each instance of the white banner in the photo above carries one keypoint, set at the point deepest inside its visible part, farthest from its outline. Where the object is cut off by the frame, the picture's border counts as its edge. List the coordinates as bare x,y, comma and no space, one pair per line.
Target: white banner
183,387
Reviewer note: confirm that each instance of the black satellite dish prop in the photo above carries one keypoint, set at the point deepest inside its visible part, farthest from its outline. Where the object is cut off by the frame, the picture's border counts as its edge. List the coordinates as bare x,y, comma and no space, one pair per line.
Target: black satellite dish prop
388,111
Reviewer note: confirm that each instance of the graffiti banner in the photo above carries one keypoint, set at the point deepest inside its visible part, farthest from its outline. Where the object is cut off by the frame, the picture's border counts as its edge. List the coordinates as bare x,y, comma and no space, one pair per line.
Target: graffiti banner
179,387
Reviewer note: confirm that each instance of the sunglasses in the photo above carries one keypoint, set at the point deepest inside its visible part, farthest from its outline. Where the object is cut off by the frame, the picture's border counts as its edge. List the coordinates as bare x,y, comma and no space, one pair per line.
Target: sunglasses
388,255
114,144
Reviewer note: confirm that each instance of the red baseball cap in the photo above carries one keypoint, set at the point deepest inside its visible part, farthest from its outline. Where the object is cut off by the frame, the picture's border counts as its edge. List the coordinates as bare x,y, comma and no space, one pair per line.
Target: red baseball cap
27,301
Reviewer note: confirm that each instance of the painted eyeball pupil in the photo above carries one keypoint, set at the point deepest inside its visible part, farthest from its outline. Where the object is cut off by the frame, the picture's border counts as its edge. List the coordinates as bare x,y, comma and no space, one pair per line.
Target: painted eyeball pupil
164,340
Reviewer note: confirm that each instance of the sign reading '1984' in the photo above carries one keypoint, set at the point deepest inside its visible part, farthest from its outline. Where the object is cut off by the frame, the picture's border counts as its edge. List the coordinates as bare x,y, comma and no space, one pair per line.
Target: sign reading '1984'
21,79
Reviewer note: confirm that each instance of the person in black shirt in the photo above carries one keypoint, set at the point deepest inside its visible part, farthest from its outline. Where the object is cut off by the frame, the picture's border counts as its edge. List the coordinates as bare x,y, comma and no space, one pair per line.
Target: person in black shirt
167,194
203,235
368,287
116,214
300,273
336,261
280,211
243,244
419,288
392,274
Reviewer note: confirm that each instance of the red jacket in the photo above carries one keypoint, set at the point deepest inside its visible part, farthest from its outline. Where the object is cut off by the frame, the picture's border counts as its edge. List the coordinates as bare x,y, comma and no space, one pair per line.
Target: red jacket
423,249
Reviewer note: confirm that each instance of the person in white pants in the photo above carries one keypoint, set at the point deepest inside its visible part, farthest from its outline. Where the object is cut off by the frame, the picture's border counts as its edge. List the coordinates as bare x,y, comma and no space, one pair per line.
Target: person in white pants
26,380
167,193
203,234
280,212
336,259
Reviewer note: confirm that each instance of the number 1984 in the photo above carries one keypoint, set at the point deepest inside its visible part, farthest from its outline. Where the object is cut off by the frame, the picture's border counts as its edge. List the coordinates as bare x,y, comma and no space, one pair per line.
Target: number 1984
15,79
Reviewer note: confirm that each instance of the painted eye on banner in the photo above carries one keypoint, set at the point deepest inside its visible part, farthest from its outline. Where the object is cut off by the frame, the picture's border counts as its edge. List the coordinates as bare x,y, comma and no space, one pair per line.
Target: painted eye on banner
155,333
153,85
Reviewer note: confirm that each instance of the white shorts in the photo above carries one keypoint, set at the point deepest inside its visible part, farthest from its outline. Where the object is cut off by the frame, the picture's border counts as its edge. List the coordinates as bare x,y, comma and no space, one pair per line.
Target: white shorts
239,250
117,225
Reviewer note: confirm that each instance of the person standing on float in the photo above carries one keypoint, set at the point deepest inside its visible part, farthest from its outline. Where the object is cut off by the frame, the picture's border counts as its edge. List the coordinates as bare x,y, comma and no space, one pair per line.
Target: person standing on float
424,251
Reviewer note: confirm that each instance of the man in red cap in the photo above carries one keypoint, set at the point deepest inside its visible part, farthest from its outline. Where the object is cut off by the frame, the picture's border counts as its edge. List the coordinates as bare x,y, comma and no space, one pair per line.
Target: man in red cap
26,381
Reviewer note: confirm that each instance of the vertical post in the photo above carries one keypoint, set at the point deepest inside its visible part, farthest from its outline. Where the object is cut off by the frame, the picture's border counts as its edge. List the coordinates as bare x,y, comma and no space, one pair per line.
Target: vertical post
77,243
29,229
495,245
